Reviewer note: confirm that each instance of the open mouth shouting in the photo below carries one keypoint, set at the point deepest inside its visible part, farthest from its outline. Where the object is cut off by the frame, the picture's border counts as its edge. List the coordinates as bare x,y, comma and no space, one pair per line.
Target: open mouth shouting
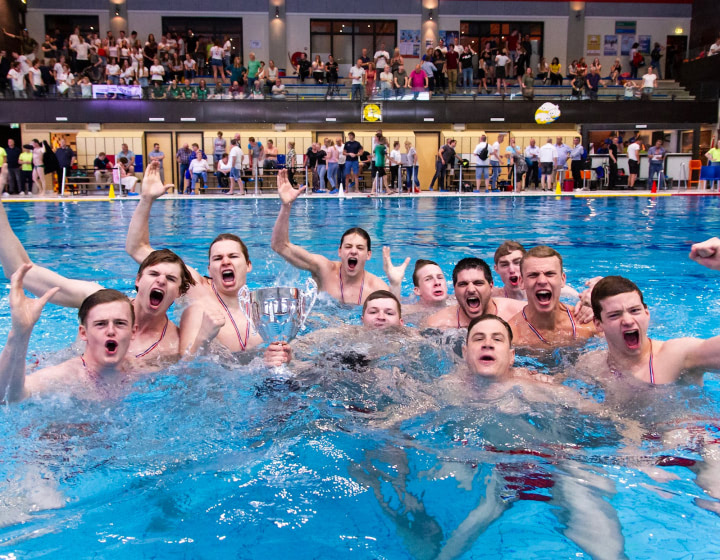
486,359
352,263
514,280
473,305
544,297
632,339
111,347
156,297
228,277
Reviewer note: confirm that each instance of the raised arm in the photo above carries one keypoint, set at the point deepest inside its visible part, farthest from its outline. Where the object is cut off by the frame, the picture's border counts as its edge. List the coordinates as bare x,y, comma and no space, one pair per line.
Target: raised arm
395,274
280,243
39,280
25,313
199,326
137,244
707,253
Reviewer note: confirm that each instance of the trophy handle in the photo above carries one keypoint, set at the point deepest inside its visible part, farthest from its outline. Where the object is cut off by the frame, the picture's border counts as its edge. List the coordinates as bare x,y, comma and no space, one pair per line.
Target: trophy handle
308,298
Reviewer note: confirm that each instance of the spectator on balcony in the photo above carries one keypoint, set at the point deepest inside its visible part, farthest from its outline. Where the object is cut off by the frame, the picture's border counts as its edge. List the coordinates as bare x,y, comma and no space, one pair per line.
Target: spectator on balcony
366,60
257,91
655,56
593,84
331,72
219,90
65,81
35,78
543,72
236,91
252,72
112,71
190,67
17,79
636,60
396,61
418,81
714,48
177,68
157,73
216,60
303,67
386,82
615,72
528,84
278,89
227,52
127,72
439,59
237,72
150,51
486,63
501,62
272,73
452,62
28,45
48,48
188,92
572,70
430,70
157,91
556,78
173,91
370,76
582,67
202,92
82,50
596,64
318,70
357,75
381,58
466,67
200,54
400,81
648,84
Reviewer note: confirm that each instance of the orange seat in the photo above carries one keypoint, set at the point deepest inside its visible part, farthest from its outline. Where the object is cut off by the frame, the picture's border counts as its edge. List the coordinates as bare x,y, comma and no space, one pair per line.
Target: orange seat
695,165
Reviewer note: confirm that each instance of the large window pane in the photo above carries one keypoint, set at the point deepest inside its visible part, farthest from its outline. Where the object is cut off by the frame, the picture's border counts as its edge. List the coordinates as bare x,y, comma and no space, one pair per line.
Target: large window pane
343,53
322,45
389,41
364,42
320,26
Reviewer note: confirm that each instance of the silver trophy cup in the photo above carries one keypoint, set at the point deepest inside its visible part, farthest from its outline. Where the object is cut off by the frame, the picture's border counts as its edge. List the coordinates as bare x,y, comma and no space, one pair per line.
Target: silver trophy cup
278,314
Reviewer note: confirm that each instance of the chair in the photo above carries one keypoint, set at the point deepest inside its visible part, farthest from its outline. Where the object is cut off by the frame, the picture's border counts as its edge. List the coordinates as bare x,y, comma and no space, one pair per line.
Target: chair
695,165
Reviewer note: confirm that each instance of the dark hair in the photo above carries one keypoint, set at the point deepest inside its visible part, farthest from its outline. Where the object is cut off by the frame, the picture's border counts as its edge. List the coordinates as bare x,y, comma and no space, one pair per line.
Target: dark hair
541,252
382,294
506,248
418,265
611,286
470,263
231,237
358,231
489,317
100,297
167,256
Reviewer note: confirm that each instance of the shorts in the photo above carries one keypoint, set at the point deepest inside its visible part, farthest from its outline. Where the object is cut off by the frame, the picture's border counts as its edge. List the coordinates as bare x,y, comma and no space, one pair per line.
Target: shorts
500,72
546,167
236,173
481,172
216,62
378,171
634,167
481,73
352,167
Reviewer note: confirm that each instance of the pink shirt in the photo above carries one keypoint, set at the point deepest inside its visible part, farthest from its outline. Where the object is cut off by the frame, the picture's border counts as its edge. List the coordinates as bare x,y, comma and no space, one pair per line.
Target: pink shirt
332,154
417,79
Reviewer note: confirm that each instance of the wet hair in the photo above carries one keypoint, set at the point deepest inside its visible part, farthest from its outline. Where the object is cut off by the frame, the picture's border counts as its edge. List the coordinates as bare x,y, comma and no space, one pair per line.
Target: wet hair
612,286
418,265
382,294
489,317
541,252
231,237
358,231
167,256
100,297
470,263
506,248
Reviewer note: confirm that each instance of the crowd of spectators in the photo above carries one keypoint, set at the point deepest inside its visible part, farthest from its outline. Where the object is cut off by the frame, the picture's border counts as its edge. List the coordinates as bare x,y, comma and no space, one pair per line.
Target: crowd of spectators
196,67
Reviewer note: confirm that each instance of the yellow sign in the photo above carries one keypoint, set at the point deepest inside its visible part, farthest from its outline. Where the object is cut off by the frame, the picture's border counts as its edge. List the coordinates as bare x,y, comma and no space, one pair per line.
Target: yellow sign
372,112
593,45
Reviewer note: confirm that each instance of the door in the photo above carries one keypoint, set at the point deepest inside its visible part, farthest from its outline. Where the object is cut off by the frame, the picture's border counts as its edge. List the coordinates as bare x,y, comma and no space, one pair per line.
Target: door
166,147
189,138
675,50
427,145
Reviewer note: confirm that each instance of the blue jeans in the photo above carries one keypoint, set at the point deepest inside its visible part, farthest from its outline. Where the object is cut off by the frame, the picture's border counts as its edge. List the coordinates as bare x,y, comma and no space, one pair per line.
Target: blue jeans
655,65
357,91
181,182
467,77
399,92
332,169
495,172
411,171
653,171
196,178
321,169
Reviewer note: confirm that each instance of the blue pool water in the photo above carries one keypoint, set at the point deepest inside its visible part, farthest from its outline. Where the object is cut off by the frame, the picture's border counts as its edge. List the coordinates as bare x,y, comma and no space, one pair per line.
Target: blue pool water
211,460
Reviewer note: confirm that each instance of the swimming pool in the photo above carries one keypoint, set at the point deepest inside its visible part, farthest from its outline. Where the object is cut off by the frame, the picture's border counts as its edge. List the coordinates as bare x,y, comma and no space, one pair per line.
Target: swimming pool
209,460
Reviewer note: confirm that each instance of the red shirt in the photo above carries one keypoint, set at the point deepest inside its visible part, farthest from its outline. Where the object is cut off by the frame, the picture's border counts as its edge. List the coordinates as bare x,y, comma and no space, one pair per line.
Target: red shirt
452,60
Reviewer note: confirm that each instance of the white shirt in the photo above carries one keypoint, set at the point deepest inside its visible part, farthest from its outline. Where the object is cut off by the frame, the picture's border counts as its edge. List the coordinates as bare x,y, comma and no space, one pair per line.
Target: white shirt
224,167
501,60
381,58
198,165
18,79
216,52
157,72
357,74
649,80
82,50
237,153
633,151
479,148
548,153
113,70
714,49
495,151
36,76
532,153
395,157
227,48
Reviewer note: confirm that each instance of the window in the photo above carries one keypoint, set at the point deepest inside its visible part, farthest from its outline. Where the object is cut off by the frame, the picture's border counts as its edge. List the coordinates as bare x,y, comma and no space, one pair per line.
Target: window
208,28
477,33
345,39
66,25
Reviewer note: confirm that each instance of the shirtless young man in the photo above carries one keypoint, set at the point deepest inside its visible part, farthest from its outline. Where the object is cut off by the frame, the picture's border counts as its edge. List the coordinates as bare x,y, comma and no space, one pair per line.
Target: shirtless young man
507,265
347,280
623,317
473,285
214,311
162,277
545,322
107,325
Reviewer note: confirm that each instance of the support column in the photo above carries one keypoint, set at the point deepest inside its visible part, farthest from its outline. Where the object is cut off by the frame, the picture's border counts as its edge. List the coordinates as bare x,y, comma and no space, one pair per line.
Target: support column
575,33
118,17
277,34
429,26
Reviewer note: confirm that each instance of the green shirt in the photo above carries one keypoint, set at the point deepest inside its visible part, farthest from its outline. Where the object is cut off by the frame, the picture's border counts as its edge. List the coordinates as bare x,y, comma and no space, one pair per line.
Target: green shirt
158,92
202,93
25,160
380,152
253,66
188,92
713,155
174,92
